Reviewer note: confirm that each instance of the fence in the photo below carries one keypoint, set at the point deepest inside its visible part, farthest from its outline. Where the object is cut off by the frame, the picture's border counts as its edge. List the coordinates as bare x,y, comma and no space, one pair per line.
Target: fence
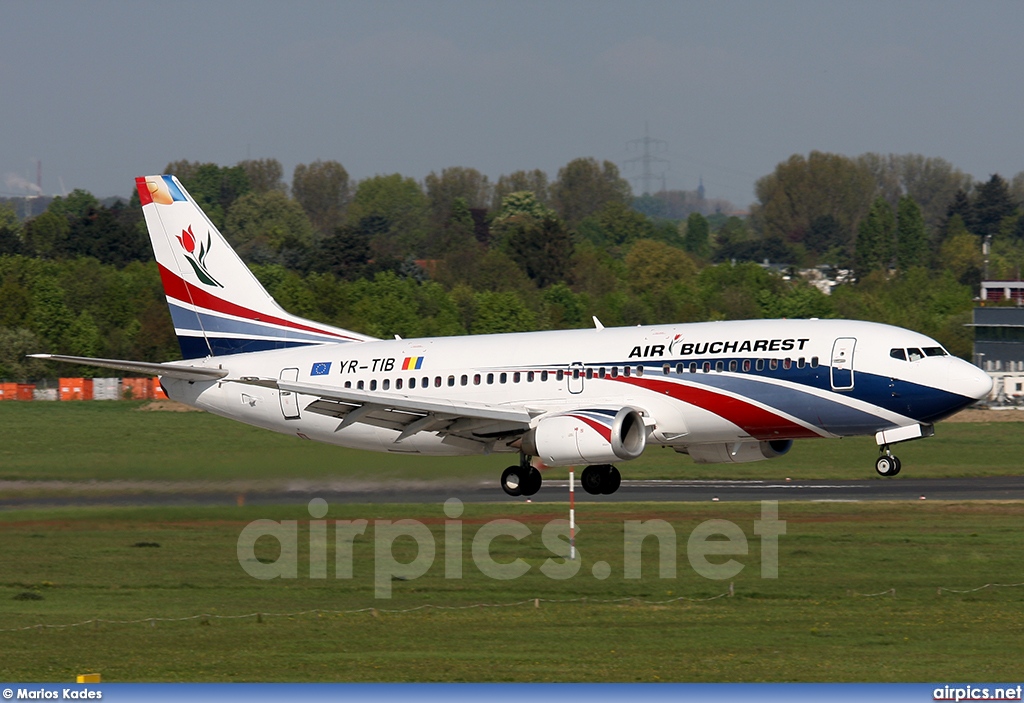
68,389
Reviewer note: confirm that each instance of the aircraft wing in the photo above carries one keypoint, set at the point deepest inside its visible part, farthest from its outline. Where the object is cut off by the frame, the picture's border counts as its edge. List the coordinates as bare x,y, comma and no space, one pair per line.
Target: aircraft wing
187,373
459,421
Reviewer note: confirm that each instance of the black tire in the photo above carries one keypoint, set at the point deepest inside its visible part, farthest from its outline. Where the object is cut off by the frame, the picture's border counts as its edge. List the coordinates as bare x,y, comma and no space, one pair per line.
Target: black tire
611,480
512,481
899,465
886,466
592,479
532,482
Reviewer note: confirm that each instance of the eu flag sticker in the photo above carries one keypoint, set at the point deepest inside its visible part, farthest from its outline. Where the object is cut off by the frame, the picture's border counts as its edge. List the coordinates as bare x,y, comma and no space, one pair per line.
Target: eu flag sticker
321,368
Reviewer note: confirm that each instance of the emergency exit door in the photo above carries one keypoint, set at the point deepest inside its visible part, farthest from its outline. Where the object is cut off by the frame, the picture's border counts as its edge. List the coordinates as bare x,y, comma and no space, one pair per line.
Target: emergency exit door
289,403
842,363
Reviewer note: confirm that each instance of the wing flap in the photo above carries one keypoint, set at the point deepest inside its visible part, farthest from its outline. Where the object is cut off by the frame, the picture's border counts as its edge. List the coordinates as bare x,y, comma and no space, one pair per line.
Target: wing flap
409,415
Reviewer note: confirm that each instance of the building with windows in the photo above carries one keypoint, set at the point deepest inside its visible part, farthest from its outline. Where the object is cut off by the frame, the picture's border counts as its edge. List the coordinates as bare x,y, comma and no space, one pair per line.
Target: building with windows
999,339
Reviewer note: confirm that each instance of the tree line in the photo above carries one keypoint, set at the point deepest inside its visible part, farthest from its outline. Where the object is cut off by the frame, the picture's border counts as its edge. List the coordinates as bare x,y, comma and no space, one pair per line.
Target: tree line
458,253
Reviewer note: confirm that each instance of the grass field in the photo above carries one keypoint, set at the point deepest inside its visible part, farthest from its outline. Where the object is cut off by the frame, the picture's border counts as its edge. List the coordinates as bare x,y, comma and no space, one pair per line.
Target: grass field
105,441
64,566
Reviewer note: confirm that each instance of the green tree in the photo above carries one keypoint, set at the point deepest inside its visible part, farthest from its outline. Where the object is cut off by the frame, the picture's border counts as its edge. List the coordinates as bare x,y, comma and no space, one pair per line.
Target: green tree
322,189
452,184
992,203
46,236
15,345
264,175
653,267
542,248
215,188
802,189
498,312
535,181
961,254
399,206
875,239
911,237
10,230
696,240
584,187
269,228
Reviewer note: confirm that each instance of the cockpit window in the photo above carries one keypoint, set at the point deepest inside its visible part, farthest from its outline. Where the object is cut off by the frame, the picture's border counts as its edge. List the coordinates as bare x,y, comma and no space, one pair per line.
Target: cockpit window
914,354
934,351
898,354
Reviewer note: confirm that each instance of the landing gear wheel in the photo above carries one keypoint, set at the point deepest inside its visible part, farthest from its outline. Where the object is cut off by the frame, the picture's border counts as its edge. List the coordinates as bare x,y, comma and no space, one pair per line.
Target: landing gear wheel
887,465
899,465
600,479
531,482
611,480
512,481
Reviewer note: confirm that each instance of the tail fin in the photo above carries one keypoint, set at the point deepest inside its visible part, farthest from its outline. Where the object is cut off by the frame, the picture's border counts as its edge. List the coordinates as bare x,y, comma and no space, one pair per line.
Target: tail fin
217,305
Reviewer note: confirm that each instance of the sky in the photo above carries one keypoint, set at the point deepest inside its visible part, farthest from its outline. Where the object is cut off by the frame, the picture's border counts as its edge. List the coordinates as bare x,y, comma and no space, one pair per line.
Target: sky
101,91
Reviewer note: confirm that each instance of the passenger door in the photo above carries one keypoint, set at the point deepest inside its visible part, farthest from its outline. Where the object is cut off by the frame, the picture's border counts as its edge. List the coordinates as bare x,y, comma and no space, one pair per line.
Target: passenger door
289,403
842,363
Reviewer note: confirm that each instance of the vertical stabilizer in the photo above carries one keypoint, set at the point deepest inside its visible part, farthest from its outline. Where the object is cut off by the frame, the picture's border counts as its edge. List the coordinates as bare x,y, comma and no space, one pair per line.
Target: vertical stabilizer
217,304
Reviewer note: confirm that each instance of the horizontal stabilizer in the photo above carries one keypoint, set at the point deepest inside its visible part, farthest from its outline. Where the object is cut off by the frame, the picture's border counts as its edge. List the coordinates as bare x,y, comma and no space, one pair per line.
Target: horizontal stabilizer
186,373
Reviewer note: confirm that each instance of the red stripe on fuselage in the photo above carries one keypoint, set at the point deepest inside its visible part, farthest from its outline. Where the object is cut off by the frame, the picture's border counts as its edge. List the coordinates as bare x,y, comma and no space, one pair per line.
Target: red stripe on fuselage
754,420
180,289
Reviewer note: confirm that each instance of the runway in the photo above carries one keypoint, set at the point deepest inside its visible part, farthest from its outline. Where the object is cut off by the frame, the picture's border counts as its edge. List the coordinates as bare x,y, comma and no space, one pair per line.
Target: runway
15,494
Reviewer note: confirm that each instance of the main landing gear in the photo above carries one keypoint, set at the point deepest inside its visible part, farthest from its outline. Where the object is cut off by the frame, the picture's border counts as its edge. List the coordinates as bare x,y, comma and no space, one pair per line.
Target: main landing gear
525,480
888,464
522,480
600,479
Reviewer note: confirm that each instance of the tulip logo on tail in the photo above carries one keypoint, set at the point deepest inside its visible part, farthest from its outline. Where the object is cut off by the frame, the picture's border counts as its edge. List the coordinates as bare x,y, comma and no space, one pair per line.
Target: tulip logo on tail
188,243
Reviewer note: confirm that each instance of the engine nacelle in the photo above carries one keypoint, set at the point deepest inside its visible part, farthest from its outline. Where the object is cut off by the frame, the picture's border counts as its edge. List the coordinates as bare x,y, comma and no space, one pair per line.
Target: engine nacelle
590,436
738,452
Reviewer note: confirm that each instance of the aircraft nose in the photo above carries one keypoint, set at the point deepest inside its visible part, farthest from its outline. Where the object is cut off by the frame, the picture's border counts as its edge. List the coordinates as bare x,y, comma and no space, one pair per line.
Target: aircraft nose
968,380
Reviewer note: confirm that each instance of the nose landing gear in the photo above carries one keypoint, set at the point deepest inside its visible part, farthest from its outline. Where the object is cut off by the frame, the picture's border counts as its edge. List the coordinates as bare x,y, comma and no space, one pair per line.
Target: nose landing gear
888,464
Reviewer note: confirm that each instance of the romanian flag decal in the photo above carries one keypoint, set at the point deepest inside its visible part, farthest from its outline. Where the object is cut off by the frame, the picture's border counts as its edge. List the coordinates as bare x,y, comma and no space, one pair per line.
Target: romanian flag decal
412,363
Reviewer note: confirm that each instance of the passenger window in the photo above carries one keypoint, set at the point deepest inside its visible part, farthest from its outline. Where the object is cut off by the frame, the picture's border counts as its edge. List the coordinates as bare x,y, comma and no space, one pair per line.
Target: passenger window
529,376
543,376
348,384
719,366
814,362
773,364
625,371
398,384
463,380
760,365
693,367
373,385
898,354
732,365
437,381
575,373
615,372
601,373
451,381
476,379
787,363
707,367
800,363
359,385
746,365
503,377
385,384
560,375
425,382
412,382
515,377
490,378
679,368
639,370
914,355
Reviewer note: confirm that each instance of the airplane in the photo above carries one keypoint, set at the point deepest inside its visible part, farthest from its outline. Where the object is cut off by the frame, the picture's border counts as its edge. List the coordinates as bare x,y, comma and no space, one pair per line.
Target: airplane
721,392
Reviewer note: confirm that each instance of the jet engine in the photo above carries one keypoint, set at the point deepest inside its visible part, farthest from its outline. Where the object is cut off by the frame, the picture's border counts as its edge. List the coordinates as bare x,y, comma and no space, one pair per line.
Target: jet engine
590,436
738,452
